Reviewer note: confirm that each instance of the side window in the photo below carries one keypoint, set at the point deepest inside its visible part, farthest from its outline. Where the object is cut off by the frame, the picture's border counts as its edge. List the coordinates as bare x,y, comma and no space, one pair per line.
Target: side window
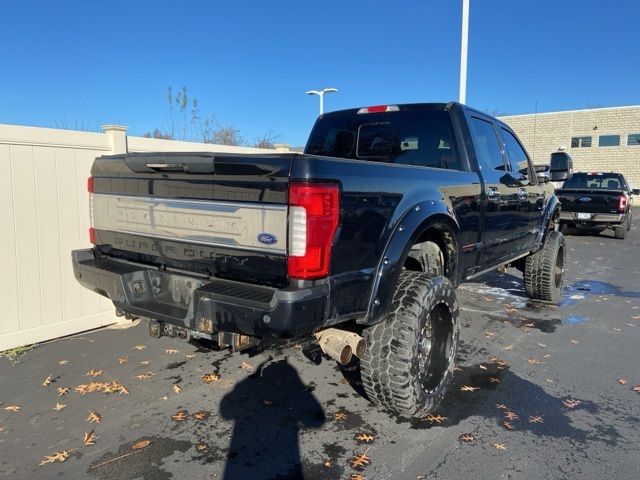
516,154
486,145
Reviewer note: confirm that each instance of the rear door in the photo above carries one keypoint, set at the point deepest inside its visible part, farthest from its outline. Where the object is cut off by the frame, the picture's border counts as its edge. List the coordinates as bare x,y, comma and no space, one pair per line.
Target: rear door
503,220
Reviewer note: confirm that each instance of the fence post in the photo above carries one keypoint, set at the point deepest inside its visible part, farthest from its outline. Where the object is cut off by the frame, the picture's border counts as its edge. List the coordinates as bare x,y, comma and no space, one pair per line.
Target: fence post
117,135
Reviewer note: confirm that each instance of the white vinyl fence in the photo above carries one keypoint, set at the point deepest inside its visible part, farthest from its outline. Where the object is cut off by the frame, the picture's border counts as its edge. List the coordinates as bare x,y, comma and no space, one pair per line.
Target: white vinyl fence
44,214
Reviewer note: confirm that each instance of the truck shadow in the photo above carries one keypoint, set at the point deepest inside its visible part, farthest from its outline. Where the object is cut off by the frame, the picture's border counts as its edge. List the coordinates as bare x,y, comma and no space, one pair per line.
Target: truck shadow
269,409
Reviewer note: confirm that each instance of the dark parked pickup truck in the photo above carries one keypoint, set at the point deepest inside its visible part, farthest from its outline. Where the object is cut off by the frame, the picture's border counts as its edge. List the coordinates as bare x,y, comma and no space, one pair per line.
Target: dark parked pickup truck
597,201
359,241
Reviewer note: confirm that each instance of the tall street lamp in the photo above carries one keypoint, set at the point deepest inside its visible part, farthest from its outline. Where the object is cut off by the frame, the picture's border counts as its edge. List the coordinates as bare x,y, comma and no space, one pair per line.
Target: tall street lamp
463,51
321,93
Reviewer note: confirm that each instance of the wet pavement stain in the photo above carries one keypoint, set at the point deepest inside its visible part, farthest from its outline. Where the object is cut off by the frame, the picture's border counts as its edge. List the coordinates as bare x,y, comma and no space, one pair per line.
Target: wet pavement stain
145,463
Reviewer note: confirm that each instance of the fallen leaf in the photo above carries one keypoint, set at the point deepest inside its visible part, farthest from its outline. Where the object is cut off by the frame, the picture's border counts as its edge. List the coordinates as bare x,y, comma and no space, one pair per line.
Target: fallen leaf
180,416
636,388
141,444
189,355
123,360
499,446
466,437
339,416
356,476
508,426
246,366
487,299
94,373
202,447
59,406
145,362
533,361
200,415
210,377
56,457
176,388
569,403
89,439
47,381
63,362
171,351
541,345
501,406
138,347
622,381
63,391
467,388
482,367
536,419
574,341
94,417
267,402
12,408
144,376
510,347
363,437
360,461
435,418
511,416
494,380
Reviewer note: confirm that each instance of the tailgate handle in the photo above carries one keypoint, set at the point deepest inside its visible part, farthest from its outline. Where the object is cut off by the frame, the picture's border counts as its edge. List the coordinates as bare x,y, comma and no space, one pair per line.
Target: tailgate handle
169,167
170,162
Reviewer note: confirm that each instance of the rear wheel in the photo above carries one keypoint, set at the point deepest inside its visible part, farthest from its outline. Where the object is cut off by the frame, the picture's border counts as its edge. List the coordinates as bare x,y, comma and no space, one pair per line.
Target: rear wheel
410,356
544,270
629,220
620,232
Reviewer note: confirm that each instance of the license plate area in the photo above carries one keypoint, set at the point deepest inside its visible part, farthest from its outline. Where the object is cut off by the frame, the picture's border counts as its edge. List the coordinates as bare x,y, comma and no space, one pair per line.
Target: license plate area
584,216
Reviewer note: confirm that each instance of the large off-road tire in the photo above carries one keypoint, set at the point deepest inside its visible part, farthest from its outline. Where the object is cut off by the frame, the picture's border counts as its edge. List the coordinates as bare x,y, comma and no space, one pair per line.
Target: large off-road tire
620,232
544,270
410,355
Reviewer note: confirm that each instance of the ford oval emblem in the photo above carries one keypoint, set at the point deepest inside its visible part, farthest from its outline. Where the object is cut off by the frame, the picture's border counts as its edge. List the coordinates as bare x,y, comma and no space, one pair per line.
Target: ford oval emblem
267,238
585,199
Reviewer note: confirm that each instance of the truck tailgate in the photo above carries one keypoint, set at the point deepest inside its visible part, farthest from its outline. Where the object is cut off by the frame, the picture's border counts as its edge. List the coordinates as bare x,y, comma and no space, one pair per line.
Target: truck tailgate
589,201
218,215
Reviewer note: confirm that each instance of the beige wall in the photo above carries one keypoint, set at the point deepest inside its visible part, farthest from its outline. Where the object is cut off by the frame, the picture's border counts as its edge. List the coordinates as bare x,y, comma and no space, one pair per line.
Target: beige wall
44,214
544,133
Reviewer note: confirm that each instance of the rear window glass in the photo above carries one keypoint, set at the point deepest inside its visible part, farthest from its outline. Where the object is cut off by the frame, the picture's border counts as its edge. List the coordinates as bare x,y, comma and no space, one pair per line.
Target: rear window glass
603,181
423,138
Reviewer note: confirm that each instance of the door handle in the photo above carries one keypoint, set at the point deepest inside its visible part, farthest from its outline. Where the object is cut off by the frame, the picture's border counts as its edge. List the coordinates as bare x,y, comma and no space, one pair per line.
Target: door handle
492,193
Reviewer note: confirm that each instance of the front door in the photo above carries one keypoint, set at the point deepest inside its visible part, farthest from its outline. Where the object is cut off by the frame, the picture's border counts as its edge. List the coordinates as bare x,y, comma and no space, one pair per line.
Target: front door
503,219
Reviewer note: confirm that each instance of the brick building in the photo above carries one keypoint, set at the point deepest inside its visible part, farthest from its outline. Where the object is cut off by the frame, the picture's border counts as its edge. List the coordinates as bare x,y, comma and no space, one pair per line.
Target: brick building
603,139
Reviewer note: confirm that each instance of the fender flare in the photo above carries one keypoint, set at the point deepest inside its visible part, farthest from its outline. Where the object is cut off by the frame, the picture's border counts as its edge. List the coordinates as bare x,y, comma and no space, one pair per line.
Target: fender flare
552,207
407,230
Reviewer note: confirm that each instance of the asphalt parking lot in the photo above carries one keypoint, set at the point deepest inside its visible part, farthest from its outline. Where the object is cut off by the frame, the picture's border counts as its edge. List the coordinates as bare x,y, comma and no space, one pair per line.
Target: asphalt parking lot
551,397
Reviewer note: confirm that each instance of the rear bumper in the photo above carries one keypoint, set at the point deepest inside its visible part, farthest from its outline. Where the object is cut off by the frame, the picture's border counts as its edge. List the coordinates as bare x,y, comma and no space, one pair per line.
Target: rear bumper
595,218
202,305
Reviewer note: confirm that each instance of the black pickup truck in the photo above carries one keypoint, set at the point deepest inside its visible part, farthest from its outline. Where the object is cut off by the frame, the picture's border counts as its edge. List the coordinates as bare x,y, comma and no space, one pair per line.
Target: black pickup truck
360,241
597,201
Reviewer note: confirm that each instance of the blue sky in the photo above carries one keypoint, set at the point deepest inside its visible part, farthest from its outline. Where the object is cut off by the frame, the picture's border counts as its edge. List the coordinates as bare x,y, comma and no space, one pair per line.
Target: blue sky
249,62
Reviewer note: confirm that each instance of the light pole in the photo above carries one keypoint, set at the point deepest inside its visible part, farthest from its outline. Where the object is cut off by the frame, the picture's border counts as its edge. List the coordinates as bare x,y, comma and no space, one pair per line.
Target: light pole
321,93
463,51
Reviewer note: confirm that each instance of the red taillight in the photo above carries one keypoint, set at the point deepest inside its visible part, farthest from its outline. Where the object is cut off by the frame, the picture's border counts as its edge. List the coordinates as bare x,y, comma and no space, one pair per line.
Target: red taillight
90,184
622,203
92,235
313,220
